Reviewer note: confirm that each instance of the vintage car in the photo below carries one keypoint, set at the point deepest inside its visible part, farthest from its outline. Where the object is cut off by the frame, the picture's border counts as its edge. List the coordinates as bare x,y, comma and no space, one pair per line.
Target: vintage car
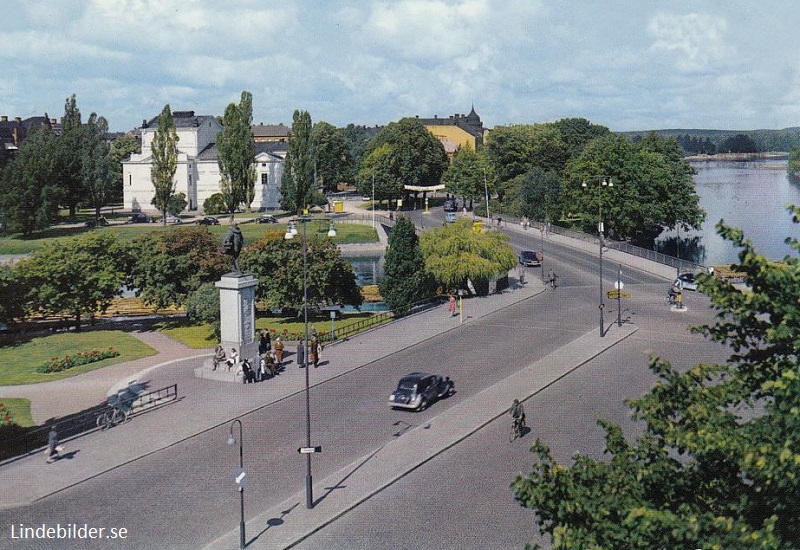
418,390
530,258
686,281
208,220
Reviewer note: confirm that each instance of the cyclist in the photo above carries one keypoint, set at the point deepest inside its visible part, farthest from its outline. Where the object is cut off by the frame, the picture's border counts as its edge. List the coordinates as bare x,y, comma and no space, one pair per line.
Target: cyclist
518,414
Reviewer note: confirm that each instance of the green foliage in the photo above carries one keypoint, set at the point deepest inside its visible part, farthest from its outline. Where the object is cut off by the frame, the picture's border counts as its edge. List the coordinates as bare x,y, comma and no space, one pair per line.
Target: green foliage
78,276
121,149
58,364
793,167
332,154
298,168
717,463
740,143
68,151
170,265
514,150
97,174
403,153
652,188
202,307
165,161
540,194
30,199
177,204
236,153
457,252
470,174
405,281
278,264
215,204
357,140
12,295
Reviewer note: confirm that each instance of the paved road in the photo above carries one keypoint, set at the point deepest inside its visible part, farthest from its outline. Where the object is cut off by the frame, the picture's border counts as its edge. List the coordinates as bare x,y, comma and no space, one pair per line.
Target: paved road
191,477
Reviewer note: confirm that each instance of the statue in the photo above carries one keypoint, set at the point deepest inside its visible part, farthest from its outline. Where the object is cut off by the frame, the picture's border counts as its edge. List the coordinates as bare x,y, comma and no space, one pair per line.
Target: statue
232,245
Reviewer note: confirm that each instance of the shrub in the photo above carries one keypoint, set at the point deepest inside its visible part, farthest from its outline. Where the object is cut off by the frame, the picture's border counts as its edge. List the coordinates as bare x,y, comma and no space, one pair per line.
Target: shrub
215,204
81,358
6,418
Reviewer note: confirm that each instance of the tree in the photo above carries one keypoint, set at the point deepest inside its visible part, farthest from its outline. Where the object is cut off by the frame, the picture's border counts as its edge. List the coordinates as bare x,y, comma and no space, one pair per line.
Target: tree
652,188
97,172
278,264
357,140
513,150
740,143
470,175
793,167
237,152
332,156
409,155
69,147
78,276
30,197
202,306
540,195
577,132
298,169
716,465
405,282
457,252
12,295
172,264
165,161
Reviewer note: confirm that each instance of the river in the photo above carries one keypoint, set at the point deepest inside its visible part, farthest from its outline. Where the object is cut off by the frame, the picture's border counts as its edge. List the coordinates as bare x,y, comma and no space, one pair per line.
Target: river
751,196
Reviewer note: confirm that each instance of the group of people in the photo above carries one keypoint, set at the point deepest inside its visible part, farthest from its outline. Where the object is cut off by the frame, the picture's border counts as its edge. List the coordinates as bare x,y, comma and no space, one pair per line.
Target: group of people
269,361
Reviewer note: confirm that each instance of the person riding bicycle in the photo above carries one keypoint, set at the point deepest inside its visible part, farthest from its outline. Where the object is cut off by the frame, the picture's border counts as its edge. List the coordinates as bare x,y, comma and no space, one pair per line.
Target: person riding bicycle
518,413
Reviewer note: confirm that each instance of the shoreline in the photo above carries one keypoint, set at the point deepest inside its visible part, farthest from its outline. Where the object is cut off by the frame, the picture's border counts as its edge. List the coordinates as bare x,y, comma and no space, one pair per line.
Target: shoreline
738,157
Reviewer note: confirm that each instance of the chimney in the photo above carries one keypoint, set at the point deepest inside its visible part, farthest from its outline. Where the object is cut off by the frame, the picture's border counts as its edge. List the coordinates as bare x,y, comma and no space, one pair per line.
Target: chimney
4,118
53,121
18,118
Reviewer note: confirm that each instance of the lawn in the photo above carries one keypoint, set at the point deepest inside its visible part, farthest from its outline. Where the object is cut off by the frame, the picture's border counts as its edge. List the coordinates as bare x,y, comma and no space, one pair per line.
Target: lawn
18,362
15,243
289,328
19,409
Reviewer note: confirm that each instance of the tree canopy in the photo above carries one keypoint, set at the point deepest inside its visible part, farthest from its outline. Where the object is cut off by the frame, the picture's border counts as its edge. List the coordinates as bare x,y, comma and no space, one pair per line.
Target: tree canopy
298,172
333,160
165,161
405,281
236,154
470,174
717,463
278,264
458,252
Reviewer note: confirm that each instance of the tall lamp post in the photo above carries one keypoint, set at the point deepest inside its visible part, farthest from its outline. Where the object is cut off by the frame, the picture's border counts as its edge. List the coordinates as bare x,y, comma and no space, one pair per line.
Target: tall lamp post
603,181
239,477
291,231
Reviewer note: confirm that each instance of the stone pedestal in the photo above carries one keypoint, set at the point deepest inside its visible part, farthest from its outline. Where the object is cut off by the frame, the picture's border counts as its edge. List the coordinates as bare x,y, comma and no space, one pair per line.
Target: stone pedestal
237,294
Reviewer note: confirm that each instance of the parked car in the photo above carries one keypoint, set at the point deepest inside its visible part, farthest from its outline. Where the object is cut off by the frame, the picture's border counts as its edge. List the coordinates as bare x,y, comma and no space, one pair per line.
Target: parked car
450,217
140,217
450,205
267,218
530,258
418,390
173,219
686,281
208,220
101,222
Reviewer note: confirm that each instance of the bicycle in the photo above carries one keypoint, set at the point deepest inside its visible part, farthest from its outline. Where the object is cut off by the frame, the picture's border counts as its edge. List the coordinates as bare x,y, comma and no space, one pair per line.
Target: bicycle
517,429
110,418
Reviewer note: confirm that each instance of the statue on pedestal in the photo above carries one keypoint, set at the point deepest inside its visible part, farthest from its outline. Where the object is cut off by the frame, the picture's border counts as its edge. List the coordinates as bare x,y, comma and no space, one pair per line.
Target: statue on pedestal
232,245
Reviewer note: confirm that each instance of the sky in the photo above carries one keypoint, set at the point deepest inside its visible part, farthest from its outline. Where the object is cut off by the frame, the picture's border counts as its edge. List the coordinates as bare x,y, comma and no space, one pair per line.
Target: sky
625,64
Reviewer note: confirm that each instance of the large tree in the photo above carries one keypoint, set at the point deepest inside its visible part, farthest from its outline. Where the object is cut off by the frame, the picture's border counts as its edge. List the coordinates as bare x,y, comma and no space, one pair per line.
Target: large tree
77,277
470,175
405,282
172,264
717,463
297,185
409,155
540,195
332,156
237,151
516,149
69,148
278,264
458,252
165,161
652,188
97,166
12,295
30,197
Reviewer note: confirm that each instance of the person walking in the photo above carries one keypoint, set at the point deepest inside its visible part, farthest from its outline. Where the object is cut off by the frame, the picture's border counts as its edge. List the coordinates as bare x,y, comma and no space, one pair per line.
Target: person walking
52,445
314,351
452,305
264,344
278,349
300,356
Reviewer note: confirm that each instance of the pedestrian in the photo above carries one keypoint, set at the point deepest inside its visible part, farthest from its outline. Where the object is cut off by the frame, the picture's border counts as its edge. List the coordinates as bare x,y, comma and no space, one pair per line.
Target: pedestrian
313,355
300,356
233,358
219,356
278,349
52,445
452,305
255,363
264,344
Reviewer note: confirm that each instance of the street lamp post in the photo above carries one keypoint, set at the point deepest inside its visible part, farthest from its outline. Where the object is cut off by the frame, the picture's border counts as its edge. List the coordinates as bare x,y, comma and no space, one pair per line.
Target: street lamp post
486,193
290,233
603,181
239,477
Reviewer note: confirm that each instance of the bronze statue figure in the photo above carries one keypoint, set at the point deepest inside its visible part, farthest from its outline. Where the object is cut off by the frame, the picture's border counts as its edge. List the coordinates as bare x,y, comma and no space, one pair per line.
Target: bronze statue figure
232,245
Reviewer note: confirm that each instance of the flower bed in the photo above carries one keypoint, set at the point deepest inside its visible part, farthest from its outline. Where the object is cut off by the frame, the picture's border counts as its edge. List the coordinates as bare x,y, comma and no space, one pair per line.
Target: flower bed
6,418
81,358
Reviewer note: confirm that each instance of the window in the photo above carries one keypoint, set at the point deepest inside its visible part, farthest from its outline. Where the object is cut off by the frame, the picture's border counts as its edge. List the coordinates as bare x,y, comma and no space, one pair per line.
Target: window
264,179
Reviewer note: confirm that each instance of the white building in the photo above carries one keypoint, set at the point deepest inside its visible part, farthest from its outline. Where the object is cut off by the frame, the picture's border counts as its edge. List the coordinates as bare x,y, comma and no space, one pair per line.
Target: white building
197,174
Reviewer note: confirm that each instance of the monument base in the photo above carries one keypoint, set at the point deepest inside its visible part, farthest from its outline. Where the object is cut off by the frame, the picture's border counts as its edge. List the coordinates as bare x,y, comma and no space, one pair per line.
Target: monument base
221,374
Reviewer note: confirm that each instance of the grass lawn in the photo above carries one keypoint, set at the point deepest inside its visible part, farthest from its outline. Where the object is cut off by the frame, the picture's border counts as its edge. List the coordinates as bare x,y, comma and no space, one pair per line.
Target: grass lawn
18,362
20,410
289,328
15,243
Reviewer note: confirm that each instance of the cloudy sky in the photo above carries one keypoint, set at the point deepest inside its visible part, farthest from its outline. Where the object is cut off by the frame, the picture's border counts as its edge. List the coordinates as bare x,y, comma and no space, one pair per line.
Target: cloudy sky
626,64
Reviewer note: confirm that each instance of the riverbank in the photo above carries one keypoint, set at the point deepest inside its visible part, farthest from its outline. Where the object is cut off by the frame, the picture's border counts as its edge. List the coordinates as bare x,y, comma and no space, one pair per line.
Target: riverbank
739,157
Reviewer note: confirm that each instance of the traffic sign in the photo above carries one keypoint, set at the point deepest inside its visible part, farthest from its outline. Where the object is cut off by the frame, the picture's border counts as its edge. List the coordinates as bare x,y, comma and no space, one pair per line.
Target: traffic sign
614,294
240,477
619,285
309,450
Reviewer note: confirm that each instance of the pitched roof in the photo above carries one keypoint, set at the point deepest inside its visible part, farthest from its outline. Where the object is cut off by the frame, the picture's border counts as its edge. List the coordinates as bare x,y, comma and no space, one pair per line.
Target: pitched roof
183,119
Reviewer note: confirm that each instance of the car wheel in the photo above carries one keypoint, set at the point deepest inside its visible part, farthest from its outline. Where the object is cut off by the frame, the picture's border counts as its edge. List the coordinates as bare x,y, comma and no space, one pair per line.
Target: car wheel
423,405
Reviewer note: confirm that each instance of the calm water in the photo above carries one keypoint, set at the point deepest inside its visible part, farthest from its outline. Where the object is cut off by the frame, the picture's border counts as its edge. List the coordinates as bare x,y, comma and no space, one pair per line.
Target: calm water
749,195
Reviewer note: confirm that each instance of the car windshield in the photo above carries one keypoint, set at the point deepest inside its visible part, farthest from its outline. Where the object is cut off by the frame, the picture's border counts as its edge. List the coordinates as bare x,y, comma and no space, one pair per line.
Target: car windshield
529,255
408,384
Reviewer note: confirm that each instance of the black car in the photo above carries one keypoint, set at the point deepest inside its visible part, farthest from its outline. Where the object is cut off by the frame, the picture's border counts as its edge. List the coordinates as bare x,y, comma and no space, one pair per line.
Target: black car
418,390
208,220
100,222
140,217
530,258
267,218
450,205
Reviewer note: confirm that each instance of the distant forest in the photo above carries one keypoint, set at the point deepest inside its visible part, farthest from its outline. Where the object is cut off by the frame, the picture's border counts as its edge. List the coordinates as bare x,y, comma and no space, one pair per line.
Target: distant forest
709,142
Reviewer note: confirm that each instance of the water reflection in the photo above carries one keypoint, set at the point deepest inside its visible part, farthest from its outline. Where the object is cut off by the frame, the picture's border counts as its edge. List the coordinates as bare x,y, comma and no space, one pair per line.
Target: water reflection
369,269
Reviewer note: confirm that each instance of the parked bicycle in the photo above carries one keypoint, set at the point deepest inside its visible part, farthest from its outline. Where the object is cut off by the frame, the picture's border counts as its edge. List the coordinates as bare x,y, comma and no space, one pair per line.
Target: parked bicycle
117,412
